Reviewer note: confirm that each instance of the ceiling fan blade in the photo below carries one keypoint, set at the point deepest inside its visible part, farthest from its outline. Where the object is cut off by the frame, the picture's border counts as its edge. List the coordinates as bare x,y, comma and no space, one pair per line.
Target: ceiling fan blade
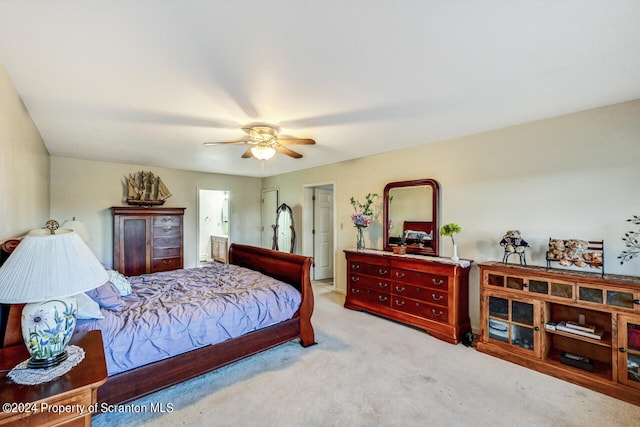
247,154
288,152
296,141
225,142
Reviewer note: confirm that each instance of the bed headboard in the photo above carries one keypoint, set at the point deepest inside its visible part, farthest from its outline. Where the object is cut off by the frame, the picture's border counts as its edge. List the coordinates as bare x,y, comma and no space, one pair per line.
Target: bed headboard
425,226
10,330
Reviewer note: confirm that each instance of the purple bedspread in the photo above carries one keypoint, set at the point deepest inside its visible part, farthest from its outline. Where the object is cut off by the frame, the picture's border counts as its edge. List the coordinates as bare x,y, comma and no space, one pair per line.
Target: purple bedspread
173,312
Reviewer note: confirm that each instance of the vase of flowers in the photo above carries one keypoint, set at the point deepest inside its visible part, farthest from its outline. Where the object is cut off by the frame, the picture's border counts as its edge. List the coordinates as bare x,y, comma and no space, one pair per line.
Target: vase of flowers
450,230
361,217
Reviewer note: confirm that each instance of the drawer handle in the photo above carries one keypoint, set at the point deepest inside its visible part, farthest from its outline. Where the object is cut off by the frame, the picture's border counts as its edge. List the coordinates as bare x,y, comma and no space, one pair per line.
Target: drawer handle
382,285
400,303
636,301
399,275
437,313
435,297
382,272
166,218
167,228
355,290
383,298
166,261
354,278
399,289
438,283
355,266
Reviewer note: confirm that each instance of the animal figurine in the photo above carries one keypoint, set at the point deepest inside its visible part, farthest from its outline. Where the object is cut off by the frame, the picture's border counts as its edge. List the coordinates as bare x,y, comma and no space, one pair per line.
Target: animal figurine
514,244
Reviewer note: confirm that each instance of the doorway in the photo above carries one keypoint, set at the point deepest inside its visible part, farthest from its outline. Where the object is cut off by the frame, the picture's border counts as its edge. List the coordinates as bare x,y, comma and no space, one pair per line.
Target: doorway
213,220
318,229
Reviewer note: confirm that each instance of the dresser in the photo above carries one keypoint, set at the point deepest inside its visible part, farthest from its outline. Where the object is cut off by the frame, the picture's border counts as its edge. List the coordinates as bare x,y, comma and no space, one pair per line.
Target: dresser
430,293
147,239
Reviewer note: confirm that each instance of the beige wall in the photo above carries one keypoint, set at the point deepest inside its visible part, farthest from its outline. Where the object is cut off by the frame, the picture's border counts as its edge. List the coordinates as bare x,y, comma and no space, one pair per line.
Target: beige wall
24,166
88,189
575,176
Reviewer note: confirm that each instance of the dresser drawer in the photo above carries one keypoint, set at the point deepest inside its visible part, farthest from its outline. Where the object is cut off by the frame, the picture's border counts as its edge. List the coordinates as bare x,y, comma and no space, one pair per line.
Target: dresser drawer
368,282
164,264
370,269
368,296
70,409
432,296
167,231
166,252
167,242
420,278
420,308
167,221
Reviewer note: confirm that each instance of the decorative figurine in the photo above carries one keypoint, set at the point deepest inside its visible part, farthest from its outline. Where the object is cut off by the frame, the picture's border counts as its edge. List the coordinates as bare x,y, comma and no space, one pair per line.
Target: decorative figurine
514,244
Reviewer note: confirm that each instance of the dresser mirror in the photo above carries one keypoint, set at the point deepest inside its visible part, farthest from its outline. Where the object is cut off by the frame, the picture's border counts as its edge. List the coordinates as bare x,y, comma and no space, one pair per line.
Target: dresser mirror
411,216
284,235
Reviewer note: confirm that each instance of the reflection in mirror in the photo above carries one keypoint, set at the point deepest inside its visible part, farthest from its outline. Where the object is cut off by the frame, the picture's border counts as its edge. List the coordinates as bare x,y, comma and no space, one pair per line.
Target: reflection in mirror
284,234
411,216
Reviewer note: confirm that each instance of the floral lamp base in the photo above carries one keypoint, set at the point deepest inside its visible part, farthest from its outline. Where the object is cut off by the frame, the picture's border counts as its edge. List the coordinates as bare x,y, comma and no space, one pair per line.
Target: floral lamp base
47,328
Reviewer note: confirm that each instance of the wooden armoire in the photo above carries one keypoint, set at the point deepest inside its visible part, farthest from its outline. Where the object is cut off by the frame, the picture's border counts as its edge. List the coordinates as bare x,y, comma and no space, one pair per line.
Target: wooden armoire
147,239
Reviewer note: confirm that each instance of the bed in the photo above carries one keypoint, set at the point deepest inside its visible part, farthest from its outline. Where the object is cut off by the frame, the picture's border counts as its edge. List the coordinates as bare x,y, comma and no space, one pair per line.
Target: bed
278,321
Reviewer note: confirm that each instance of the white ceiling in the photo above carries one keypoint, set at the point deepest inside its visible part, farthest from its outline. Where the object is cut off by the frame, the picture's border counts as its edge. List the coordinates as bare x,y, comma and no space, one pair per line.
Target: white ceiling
147,82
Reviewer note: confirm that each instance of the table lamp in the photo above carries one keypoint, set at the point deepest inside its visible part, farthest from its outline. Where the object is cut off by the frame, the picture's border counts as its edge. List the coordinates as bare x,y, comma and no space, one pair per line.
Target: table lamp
47,268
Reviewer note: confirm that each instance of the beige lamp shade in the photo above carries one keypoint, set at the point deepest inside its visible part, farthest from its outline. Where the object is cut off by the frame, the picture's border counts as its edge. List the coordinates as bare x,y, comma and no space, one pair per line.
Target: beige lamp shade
45,266
79,228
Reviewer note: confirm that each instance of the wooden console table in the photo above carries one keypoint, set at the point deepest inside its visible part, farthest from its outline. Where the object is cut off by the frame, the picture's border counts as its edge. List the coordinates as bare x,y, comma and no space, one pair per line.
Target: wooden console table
521,313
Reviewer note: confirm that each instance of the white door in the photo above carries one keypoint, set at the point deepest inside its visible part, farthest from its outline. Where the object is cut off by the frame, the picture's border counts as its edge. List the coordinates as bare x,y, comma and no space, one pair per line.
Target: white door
323,233
269,208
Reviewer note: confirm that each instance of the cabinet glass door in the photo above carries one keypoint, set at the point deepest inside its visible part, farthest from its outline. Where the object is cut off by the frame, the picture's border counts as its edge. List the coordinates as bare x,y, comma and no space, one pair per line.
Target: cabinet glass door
512,321
629,351
633,352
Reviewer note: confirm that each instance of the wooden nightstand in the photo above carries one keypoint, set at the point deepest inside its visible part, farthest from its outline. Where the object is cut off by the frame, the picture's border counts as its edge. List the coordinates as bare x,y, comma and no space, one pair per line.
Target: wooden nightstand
65,400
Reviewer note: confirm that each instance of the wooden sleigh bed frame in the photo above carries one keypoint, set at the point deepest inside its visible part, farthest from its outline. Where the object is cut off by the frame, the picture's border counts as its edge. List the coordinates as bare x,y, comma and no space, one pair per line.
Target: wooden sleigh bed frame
133,384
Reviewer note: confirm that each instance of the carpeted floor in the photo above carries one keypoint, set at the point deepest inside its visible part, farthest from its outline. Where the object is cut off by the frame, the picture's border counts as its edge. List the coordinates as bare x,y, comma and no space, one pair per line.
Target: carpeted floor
367,371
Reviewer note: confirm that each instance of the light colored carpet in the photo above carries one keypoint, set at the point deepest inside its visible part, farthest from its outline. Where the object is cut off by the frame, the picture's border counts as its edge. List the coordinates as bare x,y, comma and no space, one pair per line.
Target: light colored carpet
367,371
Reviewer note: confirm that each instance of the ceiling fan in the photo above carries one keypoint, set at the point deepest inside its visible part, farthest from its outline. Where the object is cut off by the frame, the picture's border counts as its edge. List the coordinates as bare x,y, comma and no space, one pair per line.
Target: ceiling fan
265,143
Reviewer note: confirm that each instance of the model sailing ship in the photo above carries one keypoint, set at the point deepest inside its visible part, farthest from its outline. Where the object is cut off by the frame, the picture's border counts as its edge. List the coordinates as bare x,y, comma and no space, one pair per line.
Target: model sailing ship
145,189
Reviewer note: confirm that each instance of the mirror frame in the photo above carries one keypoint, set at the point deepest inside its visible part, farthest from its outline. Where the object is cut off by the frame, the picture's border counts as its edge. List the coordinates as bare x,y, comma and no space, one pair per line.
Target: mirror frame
435,205
282,209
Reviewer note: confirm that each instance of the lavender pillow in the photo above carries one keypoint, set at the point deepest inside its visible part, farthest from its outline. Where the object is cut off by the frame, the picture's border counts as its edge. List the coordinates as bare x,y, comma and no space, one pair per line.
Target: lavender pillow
107,296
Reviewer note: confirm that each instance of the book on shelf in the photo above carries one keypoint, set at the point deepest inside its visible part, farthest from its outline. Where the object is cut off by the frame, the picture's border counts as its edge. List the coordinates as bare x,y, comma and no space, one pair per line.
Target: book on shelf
596,334
550,325
580,326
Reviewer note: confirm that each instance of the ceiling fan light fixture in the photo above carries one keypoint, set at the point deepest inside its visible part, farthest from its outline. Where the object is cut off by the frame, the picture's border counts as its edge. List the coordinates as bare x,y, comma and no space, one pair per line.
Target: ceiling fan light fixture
263,152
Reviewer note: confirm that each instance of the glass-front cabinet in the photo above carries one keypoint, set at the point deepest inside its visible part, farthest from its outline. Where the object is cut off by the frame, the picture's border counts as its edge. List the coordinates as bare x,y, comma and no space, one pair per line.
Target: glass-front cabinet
629,350
513,322
578,326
